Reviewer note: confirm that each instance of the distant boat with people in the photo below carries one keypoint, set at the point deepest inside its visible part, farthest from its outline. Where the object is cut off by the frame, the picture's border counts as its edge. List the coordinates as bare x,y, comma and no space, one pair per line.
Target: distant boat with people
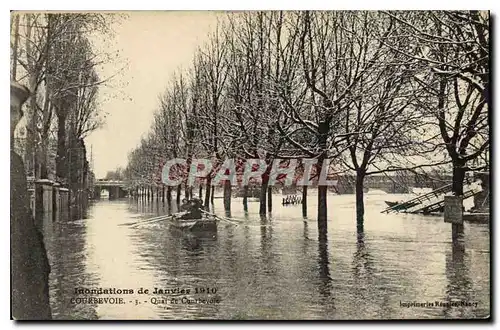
291,200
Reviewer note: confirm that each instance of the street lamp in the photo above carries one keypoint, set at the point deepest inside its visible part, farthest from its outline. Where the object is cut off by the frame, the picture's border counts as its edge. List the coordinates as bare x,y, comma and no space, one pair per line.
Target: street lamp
18,95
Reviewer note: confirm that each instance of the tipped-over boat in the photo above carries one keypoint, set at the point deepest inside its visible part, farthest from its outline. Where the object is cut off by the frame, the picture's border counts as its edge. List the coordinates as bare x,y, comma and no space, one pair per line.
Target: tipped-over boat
400,205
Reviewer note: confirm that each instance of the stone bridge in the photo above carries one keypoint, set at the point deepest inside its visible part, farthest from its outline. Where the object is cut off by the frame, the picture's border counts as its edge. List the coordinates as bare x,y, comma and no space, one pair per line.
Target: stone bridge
116,188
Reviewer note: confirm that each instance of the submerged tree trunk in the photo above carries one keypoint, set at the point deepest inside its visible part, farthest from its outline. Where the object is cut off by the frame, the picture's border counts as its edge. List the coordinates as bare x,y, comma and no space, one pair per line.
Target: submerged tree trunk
212,195
322,201
245,197
322,208
270,199
304,201
322,189
360,205
207,194
178,197
169,194
323,263
263,199
200,192
227,195
458,189
458,179
187,192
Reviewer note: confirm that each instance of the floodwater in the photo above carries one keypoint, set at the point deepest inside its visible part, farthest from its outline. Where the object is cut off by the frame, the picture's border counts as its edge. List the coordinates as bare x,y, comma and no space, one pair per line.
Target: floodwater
274,268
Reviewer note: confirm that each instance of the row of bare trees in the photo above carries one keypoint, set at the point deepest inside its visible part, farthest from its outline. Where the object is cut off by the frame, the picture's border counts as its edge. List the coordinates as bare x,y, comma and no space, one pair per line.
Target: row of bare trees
54,56
373,92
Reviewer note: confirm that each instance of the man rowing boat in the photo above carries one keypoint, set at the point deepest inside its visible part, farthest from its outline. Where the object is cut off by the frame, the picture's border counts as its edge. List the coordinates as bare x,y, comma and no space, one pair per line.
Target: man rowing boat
192,219
191,209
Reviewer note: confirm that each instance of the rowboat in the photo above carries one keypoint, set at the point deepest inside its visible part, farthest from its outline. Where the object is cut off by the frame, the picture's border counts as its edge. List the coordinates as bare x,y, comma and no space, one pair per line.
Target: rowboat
391,204
206,224
401,204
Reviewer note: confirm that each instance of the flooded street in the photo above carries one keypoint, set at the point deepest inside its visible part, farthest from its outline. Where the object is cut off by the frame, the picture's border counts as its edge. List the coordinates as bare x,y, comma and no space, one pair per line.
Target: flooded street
269,269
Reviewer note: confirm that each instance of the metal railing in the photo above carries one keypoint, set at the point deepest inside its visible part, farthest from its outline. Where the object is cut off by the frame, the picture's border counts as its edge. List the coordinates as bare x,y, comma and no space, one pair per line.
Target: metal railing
419,199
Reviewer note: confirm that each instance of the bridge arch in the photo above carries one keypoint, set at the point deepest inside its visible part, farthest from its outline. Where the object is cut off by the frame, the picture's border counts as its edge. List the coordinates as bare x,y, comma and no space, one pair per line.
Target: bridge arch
116,189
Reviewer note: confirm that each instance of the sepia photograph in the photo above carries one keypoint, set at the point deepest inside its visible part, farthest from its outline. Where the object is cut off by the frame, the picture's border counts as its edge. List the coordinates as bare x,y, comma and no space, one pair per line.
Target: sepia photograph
250,165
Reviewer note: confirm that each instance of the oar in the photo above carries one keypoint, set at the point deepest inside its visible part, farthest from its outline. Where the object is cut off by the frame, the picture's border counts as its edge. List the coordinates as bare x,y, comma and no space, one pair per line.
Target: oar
129,223
219,217
138,222
231,222
225,219
150,220
135,224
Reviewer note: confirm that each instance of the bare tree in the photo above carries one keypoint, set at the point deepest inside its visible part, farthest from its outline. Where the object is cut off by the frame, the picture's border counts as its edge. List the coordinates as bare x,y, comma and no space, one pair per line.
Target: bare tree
213,75
46,63
453,51
333,62
383,123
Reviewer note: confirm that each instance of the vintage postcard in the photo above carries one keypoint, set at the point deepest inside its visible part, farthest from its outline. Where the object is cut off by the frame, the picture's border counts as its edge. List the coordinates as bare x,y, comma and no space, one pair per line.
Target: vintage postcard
250,165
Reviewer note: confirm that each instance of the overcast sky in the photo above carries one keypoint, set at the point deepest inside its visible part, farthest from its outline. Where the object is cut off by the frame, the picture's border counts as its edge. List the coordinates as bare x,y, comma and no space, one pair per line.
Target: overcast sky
155,45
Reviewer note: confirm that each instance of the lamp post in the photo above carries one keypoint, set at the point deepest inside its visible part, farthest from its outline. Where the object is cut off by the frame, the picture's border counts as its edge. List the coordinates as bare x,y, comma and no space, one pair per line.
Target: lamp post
18,95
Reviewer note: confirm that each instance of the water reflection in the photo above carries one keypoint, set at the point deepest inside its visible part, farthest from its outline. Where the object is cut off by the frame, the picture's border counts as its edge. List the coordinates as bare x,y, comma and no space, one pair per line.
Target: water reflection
277,266
306,229
266,236
362,260
363,274
459,285
325,286
67,250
